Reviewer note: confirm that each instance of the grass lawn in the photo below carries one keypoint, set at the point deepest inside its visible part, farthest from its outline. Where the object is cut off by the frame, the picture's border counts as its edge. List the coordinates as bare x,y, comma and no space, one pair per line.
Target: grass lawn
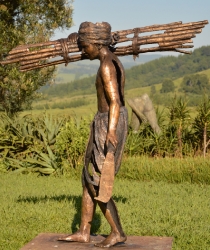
31,205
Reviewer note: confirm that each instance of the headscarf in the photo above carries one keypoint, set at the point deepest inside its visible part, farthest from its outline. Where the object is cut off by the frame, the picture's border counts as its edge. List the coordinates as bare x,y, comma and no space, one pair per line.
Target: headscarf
98,33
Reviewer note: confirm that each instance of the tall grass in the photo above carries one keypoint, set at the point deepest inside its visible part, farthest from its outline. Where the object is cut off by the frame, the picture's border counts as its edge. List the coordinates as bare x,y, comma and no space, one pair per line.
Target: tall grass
171,170
64,105
31,205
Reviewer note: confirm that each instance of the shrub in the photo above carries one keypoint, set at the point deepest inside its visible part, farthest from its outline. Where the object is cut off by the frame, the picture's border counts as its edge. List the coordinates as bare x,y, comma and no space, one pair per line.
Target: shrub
27,144
71,141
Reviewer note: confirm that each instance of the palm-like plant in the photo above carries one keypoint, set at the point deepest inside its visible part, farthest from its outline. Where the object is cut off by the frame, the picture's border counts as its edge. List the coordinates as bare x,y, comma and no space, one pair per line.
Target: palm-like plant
201,125
179,120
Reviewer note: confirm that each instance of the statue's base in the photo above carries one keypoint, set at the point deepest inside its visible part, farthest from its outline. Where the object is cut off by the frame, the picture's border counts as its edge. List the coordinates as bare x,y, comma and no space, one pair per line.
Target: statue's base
48,241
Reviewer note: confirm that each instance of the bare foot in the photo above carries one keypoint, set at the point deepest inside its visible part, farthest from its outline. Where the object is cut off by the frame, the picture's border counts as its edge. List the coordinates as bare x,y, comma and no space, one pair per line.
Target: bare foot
77,236
112,239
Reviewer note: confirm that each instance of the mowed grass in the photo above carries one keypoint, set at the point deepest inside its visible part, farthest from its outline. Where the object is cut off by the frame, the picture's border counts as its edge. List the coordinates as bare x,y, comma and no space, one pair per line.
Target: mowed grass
31,205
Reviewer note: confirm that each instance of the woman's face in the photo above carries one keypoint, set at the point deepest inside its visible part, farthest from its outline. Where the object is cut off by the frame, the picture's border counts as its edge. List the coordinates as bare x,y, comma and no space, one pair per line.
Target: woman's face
90,49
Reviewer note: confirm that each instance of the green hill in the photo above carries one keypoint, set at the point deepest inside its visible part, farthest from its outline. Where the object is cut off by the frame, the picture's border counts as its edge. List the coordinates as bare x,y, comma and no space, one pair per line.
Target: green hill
86,105
139,80
146,74
168,67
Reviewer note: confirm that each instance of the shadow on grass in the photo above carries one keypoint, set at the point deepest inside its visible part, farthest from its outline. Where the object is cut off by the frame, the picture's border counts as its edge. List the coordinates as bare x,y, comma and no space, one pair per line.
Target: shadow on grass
63,197
76,200
46,198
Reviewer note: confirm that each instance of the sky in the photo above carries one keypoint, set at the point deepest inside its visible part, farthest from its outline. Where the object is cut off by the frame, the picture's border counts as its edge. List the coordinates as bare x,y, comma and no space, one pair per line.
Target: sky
128,14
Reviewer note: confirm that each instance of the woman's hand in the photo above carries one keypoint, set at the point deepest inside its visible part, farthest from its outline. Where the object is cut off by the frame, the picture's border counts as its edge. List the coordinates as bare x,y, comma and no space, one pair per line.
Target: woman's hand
111,137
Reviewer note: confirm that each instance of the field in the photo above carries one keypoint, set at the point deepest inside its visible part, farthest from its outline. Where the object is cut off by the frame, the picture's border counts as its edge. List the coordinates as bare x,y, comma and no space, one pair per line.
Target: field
31,204
91,107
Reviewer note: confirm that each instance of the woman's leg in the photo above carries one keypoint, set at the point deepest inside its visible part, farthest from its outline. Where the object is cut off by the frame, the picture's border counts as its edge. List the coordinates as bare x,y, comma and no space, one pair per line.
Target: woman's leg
111,214
88,209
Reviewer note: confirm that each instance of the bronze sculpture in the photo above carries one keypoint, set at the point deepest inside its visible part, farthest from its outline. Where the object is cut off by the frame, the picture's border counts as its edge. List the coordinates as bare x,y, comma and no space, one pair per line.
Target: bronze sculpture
107,137
109,127
143,110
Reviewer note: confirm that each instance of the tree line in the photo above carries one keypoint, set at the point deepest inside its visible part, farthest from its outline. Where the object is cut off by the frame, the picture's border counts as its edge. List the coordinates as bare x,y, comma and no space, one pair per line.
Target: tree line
168,67
148,74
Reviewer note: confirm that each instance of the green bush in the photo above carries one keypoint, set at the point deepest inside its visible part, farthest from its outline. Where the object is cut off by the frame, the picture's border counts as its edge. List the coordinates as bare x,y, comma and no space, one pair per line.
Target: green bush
71,142
197,84
167,86
27,144
50,145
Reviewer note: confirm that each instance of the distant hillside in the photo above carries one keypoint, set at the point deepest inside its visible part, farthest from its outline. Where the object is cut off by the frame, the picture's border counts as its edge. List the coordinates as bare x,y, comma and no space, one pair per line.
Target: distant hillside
79,104
168,67
81,69
147,74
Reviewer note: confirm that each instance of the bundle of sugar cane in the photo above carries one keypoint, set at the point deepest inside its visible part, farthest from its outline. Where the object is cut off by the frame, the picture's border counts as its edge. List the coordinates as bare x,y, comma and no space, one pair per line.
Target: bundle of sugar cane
175,37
